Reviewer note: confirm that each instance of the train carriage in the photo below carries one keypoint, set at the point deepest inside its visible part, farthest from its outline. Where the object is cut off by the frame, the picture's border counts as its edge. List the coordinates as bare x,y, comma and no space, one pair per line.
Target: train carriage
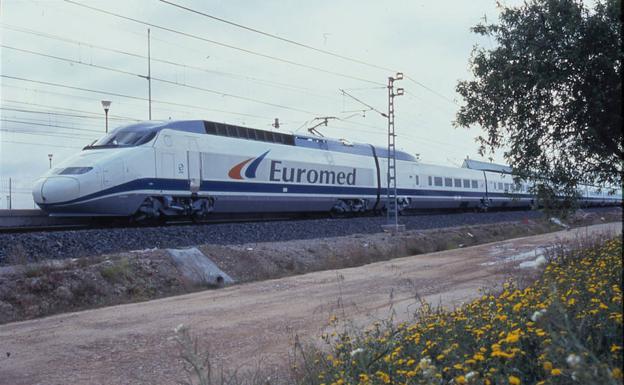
194,168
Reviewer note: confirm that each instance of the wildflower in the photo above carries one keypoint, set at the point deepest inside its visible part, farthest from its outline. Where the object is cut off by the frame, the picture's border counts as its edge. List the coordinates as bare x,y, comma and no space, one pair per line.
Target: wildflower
356,351
178,328
460,380
471,375
573,360
615,348
424,363
513,380
616,373
555,372
385,378
537,315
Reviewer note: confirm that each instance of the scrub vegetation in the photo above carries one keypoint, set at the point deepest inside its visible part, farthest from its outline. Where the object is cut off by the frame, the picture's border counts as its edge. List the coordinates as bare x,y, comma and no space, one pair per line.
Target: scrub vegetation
565,327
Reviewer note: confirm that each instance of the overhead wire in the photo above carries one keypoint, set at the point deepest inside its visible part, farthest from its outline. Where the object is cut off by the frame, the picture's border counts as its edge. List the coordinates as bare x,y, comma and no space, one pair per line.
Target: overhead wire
266,82
94,115
225,45
53,113
255,30
2,140
83,89
211,91
49,125
290,41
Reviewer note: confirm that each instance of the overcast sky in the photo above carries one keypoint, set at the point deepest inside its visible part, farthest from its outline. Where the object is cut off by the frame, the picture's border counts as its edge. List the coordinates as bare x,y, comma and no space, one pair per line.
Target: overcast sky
50,44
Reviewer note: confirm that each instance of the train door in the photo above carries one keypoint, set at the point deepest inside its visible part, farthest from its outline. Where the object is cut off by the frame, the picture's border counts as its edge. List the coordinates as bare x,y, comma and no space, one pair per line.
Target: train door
167,167
112,174
194,170
193,161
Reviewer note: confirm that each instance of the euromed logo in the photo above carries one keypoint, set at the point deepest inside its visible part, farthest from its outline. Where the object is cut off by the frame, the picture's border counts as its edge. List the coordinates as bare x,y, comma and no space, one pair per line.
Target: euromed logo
250,172
280,173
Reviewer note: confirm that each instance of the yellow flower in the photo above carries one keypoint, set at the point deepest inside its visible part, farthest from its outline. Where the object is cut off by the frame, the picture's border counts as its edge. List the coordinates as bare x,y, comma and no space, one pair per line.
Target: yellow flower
555,372
513,380
460,380
616,373
548,366
385,378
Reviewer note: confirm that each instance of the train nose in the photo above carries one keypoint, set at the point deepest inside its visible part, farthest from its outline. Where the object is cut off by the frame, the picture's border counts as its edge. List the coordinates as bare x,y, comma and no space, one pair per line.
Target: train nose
56,189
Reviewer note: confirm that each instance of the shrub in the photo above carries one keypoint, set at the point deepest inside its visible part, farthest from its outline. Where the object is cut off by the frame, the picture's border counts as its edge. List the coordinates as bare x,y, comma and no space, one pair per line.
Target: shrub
117,272
565,328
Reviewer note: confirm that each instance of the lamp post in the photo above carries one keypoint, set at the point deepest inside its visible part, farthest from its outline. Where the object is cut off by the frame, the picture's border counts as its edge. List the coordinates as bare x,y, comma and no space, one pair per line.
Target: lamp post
50,159
106,104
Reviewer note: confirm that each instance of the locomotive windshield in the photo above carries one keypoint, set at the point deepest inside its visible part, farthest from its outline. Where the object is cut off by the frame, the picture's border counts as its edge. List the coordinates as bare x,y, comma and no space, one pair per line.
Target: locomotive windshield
126,136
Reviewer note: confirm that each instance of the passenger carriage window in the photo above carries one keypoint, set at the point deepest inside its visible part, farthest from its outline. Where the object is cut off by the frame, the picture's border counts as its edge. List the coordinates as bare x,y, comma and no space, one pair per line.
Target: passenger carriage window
210,128
466,183
500,185
416,180
437,180
448,182
430,182
241,132
474,184
221,130
458,183
506,186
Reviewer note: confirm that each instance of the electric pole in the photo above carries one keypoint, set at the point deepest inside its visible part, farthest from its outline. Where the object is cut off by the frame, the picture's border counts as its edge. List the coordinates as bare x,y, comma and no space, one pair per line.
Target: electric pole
149,73
391,190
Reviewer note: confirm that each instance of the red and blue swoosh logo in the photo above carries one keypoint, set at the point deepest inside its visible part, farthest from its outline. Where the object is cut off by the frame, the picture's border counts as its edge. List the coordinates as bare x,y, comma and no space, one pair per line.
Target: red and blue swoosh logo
250,172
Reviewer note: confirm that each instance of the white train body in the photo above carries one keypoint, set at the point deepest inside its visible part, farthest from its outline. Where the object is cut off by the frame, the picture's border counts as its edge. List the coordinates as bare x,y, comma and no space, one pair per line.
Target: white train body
196,167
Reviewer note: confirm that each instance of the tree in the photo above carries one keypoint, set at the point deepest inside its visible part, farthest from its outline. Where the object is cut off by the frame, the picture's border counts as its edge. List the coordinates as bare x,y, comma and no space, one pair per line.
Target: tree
550,92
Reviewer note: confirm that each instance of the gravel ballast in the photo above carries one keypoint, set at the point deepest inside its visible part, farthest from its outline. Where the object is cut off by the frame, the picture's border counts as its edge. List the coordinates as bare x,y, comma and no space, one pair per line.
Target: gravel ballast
30,247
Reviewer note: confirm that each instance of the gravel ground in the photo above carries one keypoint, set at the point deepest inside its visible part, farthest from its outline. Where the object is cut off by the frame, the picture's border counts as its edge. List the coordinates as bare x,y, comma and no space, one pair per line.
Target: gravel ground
26,247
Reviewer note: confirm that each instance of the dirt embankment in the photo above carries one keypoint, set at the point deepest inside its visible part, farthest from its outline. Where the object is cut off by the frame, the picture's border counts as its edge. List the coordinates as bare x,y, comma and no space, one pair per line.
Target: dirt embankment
50,287
254,325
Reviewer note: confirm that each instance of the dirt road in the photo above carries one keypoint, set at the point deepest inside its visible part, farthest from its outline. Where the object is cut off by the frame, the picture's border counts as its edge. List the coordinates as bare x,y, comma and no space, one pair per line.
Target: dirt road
131,344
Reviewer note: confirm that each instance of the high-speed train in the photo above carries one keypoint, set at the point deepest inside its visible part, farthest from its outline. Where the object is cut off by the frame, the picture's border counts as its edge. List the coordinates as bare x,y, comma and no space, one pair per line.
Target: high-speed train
194,168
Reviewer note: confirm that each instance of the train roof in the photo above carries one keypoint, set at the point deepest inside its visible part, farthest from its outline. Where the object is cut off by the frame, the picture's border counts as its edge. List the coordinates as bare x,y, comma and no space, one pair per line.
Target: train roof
233,131
485,166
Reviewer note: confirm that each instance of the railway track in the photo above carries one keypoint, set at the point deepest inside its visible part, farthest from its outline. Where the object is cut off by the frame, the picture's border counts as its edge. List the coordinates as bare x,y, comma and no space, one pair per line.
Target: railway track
39,244
17,221
22,221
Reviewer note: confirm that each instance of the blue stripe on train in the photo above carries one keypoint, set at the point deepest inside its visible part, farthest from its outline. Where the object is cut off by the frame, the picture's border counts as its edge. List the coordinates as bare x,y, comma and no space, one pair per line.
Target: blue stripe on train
183,186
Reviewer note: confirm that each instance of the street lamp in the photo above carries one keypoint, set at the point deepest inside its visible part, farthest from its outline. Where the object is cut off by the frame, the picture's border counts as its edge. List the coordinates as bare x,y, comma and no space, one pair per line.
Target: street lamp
50,158
106,104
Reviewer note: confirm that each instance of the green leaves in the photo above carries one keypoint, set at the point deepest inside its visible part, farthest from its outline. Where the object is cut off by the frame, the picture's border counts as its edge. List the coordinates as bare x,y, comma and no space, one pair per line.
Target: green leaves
550,92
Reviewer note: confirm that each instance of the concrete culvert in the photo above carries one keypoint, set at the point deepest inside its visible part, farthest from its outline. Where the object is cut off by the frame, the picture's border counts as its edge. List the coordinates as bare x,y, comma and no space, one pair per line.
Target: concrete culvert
198,268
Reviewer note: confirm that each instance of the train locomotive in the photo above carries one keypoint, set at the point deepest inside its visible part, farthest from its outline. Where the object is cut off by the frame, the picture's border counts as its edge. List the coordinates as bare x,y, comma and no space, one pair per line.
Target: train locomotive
194,168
